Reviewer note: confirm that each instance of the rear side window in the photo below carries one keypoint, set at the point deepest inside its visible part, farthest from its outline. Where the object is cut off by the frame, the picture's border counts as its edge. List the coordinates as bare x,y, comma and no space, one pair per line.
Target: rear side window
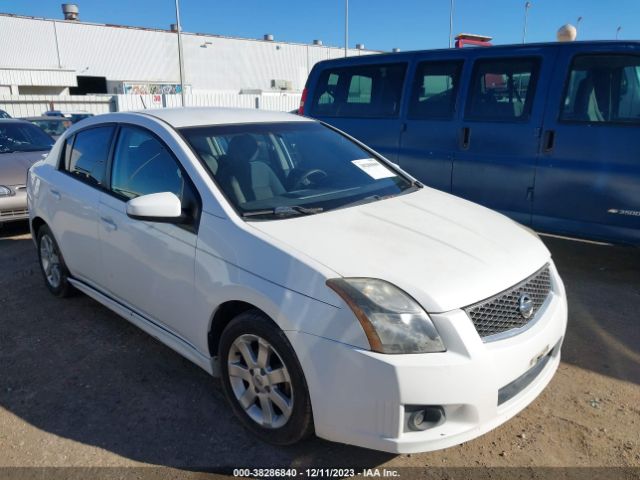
502,89
603,89
86,157
434,89
365,91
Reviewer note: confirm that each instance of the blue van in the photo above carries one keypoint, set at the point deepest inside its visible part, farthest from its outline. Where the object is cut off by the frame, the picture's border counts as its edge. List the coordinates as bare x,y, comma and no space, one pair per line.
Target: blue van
548,134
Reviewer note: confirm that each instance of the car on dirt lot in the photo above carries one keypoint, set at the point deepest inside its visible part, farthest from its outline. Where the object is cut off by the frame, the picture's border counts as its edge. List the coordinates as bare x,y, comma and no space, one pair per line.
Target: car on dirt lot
331,291
54,126
21,145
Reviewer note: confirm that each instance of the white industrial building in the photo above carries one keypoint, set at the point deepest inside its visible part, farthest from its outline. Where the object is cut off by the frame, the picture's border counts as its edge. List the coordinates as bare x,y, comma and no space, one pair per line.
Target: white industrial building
42,56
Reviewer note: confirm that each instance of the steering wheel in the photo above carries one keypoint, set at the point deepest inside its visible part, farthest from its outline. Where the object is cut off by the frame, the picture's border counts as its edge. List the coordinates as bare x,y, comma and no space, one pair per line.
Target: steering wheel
310,177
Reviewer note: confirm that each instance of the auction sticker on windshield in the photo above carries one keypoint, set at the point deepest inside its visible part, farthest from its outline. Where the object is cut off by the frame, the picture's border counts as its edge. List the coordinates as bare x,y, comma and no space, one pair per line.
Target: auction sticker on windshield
373,168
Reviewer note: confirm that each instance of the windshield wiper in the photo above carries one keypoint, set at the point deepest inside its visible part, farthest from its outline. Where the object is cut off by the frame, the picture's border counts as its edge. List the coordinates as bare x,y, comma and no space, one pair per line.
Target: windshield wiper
283,211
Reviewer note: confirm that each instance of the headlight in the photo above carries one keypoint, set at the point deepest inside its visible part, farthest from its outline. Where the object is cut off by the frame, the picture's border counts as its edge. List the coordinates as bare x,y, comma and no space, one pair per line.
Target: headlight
391,319
4,191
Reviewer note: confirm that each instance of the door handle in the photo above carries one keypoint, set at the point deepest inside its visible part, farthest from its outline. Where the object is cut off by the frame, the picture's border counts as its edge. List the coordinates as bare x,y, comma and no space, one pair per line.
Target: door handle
548,141
55,194
109,224
465,138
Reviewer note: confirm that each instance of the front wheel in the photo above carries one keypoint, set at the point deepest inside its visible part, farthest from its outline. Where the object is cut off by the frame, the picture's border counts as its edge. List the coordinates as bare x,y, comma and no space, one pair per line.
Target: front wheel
56,275
263,381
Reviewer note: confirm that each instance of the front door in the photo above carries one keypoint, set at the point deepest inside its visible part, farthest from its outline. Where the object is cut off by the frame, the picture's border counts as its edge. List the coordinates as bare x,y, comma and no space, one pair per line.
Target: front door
588,180
364,101
149,266
429,135
500,133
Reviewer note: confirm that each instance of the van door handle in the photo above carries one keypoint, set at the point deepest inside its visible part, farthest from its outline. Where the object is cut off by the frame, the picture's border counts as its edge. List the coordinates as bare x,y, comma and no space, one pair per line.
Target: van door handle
548,141
109,224
55,194
465,138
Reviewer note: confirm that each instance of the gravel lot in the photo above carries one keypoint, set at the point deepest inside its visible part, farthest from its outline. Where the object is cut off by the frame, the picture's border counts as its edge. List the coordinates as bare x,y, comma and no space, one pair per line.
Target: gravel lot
82,387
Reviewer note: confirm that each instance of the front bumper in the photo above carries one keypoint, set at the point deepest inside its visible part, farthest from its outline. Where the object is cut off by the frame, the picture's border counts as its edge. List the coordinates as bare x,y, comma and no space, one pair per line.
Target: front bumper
14,207
359,397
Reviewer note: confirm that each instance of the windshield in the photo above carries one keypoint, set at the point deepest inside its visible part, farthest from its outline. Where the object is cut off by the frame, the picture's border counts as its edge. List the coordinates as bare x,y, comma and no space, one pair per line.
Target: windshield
53,127
23,137
265,169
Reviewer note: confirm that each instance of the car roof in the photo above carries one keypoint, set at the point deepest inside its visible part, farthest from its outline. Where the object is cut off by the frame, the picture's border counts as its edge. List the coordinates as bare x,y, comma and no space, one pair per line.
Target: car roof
200,116
13,120
47,118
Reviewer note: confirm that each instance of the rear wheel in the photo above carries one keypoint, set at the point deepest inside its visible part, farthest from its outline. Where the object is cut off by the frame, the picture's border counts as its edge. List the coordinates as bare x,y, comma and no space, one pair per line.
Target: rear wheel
263,381
56,275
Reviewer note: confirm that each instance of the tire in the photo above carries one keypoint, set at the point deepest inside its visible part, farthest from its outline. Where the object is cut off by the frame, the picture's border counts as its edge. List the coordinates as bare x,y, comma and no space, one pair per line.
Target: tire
263,380
52,266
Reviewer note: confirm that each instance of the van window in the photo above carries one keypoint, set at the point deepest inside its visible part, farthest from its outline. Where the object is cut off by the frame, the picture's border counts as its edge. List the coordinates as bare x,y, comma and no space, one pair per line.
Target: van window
433,94
360,92
603,88
502,89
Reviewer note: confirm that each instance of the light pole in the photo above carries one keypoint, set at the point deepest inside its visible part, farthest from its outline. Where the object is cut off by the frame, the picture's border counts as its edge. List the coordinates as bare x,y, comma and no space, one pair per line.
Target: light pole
346,28
180,53
451,23
618,32
527,6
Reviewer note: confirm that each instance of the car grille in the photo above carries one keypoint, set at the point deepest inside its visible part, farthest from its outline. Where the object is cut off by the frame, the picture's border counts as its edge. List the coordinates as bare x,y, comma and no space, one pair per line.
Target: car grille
13,213
501,312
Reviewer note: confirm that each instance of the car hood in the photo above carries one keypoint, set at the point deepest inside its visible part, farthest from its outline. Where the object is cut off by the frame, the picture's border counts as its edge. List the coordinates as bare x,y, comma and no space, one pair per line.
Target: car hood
14,166
444,251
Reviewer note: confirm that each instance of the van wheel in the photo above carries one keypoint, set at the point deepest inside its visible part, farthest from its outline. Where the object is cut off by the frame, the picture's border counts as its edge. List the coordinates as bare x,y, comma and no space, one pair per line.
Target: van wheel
56,275
263,381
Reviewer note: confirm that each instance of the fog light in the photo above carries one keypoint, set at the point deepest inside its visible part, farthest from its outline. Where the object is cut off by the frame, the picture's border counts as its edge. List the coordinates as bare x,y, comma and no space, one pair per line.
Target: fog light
420,418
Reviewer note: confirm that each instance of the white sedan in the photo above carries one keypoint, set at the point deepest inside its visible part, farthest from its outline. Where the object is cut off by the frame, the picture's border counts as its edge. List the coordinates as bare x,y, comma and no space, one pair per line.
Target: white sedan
332,292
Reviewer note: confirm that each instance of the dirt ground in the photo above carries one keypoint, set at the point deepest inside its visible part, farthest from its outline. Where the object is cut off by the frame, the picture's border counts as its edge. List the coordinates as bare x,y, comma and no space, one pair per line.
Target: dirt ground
81,387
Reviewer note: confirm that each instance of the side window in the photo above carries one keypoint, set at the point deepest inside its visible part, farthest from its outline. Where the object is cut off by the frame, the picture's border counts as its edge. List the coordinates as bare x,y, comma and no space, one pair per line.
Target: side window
142,165
502,89
87,157
434,90
603,88
365,91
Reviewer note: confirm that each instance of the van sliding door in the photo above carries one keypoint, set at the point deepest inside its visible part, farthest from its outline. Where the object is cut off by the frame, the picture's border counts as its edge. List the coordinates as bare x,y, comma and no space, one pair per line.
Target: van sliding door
498,140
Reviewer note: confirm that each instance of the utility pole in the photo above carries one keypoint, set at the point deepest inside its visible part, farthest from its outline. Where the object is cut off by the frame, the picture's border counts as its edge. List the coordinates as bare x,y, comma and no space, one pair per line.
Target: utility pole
451,24
346,28
180,52
527,6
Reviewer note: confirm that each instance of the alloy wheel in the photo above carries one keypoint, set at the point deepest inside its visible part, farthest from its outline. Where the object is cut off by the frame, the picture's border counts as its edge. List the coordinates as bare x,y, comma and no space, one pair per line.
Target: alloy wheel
260,381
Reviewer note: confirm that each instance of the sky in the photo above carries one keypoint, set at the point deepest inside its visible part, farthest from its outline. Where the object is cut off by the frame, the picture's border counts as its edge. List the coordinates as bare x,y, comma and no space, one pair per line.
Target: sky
378,24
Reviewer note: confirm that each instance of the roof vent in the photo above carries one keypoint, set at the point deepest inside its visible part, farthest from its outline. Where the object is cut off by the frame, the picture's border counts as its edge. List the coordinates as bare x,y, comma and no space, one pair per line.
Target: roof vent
317,42
359,46
70,11
173,27
268,37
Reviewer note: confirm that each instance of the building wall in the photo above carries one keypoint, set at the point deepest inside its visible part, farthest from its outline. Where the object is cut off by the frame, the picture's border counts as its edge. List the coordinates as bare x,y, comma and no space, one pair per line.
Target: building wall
122,54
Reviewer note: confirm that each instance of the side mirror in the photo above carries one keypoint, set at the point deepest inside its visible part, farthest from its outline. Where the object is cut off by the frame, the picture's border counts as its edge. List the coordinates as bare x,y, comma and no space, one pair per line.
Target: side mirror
156,207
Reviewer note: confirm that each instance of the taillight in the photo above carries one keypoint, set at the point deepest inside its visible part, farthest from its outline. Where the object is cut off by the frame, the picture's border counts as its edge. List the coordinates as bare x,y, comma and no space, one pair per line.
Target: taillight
302,100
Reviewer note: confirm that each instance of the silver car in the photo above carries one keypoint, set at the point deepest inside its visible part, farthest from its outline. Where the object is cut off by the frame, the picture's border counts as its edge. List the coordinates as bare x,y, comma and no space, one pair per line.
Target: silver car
21,145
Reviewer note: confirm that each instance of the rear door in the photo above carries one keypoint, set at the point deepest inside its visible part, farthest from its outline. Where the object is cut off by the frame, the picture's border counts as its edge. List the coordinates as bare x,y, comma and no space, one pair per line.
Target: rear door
429,135
588,180
499,137
362,100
